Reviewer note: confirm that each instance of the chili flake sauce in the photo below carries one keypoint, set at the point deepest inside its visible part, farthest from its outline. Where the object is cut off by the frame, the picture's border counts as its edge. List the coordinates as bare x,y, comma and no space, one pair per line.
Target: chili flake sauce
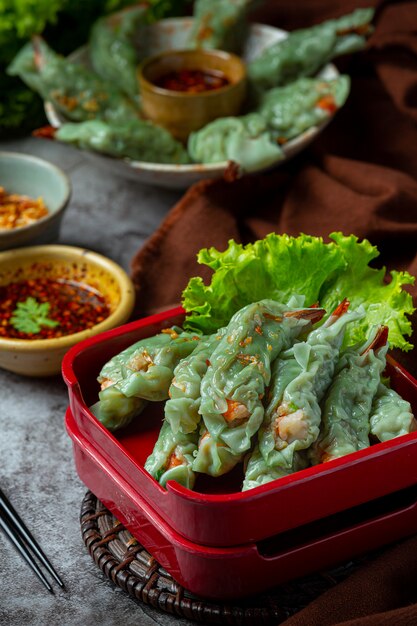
73,305
192,81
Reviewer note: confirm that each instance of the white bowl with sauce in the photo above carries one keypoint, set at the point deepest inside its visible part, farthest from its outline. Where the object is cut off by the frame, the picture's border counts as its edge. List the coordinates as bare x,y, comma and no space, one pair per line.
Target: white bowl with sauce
87,271
26,175
172,34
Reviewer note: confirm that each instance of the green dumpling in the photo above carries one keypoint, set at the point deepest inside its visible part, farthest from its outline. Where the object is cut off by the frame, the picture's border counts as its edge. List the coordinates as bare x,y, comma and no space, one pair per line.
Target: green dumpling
304,52
77,92
114,410
299,380
391,415
293,109
234,385
220,24
213,457
245,140
142,372
347,404
112,51
181,410
138,140
258,472
172,457
145,369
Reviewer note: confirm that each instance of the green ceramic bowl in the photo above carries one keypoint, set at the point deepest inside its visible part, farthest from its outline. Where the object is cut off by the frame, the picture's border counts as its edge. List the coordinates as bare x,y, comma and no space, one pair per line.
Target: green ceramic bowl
28,175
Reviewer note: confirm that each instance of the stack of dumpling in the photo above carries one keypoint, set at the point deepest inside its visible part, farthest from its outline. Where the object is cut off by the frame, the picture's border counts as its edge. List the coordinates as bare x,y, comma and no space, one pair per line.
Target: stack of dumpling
273,390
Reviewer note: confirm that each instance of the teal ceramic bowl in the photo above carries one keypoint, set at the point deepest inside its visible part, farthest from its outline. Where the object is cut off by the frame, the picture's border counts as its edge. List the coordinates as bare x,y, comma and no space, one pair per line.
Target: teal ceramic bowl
34,177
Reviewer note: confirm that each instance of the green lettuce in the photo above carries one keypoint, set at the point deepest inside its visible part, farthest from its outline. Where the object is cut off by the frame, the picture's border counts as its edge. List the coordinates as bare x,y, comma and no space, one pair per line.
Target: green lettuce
65,24
280,266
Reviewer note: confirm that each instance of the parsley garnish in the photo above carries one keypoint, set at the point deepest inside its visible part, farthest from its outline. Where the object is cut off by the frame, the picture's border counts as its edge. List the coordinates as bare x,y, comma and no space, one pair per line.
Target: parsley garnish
29,316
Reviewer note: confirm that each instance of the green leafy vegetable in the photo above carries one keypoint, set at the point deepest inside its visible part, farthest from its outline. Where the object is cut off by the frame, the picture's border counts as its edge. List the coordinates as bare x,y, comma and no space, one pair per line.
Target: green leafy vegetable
20,108
20,19
66,25
385,302
279,266
29,316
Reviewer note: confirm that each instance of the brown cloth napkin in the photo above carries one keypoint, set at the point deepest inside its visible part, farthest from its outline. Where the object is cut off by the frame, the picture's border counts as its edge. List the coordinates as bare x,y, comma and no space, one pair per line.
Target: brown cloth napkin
360,177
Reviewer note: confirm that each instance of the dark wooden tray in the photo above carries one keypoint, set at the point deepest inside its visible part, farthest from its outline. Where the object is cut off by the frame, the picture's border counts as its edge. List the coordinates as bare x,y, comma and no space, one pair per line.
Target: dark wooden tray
129,566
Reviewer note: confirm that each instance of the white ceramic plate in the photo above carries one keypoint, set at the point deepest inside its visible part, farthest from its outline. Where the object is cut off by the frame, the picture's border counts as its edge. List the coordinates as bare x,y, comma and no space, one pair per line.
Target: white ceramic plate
172,34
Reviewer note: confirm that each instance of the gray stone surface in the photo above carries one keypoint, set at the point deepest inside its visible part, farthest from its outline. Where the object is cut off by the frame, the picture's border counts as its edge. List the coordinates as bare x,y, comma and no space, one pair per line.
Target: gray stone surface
113,217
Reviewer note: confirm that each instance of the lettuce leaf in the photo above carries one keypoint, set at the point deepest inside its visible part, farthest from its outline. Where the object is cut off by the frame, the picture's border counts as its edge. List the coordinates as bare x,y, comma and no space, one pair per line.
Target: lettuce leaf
65,24
279,266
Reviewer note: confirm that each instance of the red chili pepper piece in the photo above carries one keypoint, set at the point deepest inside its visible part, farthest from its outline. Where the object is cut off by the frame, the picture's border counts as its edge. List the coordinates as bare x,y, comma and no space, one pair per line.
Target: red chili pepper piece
327,103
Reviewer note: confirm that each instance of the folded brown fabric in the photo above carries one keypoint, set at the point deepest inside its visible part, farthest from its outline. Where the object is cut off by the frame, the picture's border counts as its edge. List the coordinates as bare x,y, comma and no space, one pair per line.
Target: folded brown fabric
380,593
360,177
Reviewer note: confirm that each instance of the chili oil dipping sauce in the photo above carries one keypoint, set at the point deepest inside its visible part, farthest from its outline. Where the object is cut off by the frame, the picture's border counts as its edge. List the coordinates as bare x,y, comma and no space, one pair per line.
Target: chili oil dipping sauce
46,308
53,297
192,80
184,90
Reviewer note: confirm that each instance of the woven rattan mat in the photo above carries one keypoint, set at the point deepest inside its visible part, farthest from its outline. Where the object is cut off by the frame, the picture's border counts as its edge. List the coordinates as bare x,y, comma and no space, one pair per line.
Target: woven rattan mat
129,566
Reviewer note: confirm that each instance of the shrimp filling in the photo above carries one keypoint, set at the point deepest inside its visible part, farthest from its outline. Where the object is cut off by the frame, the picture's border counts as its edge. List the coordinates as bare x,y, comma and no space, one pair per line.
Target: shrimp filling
141,362
206,441
236,413
107,382
176,459
181,386
289,427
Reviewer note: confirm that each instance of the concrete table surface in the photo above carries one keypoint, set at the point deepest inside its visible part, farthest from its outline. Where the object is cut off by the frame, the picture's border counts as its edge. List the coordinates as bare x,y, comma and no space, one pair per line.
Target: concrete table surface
114,217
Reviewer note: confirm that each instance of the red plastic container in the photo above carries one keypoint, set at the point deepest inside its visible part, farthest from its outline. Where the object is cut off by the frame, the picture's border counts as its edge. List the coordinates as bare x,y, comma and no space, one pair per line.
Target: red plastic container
227,573
217,514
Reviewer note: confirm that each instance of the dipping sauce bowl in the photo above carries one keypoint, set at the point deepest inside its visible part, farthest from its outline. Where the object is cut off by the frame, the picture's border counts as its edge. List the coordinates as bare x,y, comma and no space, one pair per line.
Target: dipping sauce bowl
188,109
39,356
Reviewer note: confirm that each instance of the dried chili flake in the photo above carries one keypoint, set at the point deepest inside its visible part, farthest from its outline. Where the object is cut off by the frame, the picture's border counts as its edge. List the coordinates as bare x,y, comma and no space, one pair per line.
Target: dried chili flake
74,306
192,81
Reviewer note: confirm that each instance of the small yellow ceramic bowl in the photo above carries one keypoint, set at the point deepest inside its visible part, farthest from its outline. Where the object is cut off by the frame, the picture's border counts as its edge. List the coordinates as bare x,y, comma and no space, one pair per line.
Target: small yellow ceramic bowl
182,112
42,357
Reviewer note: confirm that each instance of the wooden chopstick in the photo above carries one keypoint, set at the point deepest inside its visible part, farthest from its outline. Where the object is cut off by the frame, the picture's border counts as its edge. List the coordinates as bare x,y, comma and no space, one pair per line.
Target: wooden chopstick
19,534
